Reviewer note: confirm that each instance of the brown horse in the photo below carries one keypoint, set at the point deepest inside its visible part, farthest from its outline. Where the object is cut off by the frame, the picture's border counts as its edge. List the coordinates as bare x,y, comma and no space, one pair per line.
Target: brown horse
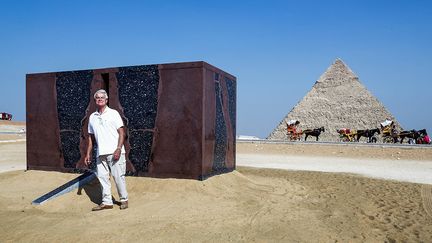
368,133
313,132
412,134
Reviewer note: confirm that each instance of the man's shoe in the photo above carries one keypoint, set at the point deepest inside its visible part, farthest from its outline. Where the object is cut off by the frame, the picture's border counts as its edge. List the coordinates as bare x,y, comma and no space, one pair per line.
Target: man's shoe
124,205
102,207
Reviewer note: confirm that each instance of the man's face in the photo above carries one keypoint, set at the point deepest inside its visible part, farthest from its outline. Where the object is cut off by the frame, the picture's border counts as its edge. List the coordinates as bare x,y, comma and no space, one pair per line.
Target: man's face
100,100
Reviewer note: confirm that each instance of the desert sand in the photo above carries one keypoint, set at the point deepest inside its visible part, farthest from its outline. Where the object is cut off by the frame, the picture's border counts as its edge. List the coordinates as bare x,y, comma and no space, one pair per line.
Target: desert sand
247,205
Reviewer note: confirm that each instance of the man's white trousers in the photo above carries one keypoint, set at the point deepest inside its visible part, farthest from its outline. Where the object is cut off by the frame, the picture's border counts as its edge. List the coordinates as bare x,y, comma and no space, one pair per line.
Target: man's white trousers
105,165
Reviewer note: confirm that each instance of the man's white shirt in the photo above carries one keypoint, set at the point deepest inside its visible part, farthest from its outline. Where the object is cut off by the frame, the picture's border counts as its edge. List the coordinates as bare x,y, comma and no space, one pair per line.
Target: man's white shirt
104,127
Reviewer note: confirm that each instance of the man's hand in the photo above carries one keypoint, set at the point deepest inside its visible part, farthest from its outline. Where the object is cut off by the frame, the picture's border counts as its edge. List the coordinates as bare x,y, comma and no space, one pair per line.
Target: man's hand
116,154
87,160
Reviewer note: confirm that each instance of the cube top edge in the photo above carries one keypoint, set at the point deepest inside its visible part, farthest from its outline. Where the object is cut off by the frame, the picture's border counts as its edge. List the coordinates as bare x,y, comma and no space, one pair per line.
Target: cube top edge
165,66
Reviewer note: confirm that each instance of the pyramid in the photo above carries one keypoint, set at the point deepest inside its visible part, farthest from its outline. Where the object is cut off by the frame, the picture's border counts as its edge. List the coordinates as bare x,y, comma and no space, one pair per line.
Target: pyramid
337,100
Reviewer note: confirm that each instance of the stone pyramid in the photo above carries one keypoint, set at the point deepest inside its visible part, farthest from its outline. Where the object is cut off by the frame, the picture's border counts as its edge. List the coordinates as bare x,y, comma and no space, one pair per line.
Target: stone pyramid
337,100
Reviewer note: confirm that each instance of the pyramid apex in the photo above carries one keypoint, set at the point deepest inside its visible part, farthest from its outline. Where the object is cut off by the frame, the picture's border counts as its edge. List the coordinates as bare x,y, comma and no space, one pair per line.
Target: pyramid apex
339,61
337,73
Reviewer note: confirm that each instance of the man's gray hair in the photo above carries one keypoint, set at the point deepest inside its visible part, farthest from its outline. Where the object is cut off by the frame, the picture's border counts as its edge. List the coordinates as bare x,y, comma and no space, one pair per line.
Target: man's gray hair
101,91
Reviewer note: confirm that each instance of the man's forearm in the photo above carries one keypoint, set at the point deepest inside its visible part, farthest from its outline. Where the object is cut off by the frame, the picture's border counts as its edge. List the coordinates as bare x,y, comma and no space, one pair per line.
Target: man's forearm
121,138
89,145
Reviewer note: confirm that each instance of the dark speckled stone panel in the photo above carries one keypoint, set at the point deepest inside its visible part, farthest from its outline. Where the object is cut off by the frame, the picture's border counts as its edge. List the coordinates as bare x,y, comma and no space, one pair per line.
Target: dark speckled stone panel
140,142
220,133
138,92
73,92
231,87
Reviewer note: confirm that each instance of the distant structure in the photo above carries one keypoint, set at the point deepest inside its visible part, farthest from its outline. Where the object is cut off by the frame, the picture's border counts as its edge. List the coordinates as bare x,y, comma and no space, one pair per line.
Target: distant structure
5,116
247,137
337,100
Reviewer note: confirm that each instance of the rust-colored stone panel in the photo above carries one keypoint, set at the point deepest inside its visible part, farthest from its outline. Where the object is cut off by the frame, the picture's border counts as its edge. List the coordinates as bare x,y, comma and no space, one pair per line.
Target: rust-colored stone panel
209,118
178,139
43,135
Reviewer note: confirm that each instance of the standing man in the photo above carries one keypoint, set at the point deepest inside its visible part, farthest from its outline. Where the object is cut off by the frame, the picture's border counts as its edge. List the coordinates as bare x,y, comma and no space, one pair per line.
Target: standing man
106,129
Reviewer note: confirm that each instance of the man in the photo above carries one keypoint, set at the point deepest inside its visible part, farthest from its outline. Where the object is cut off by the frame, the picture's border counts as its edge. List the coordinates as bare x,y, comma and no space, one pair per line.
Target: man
106,129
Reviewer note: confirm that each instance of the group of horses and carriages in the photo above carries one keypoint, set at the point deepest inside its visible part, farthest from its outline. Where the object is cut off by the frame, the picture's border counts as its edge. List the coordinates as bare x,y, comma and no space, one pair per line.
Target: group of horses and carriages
387,130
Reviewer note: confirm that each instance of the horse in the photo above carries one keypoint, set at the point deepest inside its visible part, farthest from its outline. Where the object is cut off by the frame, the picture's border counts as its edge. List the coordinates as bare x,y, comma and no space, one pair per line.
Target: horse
368,133
313,132
412,134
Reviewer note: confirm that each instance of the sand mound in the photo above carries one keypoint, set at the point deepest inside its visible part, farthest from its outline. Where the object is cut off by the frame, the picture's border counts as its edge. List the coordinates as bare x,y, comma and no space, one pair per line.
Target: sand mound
248,204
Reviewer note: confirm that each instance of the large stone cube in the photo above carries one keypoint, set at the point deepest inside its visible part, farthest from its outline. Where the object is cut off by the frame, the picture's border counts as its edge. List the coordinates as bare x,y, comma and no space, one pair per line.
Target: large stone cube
180,118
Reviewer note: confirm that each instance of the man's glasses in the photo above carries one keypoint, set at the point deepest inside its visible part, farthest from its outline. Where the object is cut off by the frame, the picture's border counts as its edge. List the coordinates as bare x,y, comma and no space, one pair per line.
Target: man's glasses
99,97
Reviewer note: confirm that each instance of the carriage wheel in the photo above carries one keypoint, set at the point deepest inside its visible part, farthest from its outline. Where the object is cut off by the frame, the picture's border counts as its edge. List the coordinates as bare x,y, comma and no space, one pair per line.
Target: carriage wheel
387,139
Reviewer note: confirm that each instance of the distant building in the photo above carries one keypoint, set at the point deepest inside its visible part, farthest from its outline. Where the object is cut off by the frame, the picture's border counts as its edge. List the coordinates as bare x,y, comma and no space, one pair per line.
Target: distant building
245,137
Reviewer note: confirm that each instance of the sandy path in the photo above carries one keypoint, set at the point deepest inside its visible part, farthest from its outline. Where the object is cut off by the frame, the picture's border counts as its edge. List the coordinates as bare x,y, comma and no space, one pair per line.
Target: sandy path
343,150
401,170
13,156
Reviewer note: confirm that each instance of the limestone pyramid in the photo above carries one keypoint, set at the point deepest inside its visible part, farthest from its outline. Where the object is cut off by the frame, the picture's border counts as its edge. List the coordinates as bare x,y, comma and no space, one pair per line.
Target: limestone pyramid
337,100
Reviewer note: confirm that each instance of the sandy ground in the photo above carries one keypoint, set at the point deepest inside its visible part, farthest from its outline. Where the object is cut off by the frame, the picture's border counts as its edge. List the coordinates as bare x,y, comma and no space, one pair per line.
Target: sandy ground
247,205
406,164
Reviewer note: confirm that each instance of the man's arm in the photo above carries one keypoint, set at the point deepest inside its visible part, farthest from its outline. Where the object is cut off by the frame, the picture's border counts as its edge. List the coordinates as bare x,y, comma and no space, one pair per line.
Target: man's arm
87,158
120,141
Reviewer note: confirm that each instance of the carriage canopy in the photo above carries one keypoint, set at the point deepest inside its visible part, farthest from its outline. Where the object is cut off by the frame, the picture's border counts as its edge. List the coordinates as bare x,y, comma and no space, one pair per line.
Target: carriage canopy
293,122
386,123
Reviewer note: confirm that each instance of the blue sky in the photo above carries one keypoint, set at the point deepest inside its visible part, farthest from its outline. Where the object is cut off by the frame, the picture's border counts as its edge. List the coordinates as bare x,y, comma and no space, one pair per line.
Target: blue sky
276,49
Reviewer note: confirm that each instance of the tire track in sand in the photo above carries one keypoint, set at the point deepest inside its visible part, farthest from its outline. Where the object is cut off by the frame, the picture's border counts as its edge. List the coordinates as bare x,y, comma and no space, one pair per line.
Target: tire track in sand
426,195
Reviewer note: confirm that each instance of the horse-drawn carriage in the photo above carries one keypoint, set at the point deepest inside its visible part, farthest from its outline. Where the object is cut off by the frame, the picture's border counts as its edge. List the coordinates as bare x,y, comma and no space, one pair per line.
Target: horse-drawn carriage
391,135
347,135
293,132
389,132
351,135
5,116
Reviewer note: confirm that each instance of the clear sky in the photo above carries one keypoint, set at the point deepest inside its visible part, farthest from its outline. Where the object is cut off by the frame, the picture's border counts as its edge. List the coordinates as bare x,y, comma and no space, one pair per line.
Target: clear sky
276,49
